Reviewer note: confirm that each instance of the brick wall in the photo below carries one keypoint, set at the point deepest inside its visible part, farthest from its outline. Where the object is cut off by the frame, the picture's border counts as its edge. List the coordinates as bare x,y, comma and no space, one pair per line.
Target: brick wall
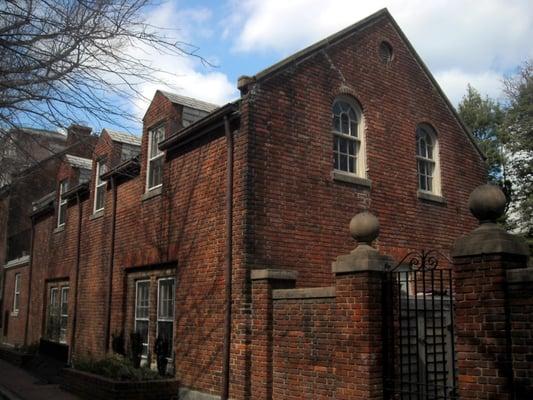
12,330
304,348
521,321
298,208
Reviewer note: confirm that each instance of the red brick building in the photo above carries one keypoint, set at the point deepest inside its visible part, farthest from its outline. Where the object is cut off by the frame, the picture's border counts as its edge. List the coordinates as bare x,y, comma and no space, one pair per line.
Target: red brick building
355,122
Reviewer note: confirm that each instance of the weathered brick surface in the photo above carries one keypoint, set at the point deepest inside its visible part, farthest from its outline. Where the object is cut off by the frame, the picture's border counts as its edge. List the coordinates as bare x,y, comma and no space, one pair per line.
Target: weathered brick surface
481,303
304,344
299,211
521,315
14,323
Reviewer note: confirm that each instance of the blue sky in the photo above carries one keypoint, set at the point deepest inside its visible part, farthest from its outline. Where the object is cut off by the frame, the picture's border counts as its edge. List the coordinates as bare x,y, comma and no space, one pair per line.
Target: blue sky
461,41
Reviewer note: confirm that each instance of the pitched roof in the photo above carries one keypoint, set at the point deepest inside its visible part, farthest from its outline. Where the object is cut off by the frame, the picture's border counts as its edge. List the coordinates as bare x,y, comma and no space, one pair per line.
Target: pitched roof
189,101
41,132
79,162
123,137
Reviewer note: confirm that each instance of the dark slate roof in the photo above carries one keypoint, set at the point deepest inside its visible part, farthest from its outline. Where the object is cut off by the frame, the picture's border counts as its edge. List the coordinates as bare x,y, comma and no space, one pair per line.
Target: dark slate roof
189,101
123,137
79,162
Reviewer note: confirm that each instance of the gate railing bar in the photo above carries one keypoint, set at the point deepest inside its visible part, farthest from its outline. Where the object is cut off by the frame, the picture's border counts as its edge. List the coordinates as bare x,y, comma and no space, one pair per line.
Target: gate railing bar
399,297
434,334
425,321
443,333
408,330
452,312
416,344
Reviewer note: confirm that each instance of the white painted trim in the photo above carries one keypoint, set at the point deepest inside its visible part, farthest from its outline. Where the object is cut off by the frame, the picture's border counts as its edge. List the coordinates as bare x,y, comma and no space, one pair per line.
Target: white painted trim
98,183
152,159
16,262
16,294
147,319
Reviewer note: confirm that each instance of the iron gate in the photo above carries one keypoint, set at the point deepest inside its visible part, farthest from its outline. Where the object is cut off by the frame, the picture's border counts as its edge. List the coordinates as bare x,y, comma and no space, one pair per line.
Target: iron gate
418,329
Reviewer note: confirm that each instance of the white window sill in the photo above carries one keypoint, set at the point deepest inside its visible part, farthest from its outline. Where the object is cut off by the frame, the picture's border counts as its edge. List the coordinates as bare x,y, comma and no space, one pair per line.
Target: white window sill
156,191
350,178
60,228
435,198
97,214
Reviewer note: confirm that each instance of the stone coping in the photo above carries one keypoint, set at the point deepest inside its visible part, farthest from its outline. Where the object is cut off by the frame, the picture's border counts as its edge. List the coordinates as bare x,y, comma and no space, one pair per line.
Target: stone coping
521,275
17,262
305,293
272,273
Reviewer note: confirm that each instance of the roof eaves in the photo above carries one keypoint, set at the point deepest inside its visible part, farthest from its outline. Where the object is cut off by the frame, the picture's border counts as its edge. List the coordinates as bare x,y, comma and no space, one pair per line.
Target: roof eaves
200,127
126,169
78,189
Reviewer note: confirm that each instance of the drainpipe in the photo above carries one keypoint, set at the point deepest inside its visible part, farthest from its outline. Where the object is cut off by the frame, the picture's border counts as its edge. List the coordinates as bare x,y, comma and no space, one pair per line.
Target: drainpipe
111,263
28,297
229,247
76,282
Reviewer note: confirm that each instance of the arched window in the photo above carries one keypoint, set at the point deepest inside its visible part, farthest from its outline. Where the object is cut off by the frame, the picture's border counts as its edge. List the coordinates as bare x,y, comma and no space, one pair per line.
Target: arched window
347,137
427,160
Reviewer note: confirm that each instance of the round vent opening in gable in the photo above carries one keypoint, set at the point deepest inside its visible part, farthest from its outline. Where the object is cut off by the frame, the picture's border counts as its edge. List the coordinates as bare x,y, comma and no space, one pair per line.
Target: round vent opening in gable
385,52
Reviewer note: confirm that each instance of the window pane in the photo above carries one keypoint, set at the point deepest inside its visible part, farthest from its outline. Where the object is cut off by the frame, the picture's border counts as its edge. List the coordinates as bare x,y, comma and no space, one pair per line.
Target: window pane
343,146
142,300
351,164
166,298
164,331
99,198
156,167
351,147
142,328
64,301
336,162
345,123
344,163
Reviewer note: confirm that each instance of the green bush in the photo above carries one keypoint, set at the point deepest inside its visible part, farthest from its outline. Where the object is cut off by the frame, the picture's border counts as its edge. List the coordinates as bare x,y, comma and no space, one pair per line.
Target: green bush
116,367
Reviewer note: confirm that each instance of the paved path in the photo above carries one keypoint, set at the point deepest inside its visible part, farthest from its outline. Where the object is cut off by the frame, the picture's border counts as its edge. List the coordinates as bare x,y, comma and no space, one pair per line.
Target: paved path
18,384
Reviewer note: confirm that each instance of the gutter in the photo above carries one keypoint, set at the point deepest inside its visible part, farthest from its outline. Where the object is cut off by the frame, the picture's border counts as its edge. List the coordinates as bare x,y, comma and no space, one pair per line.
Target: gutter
30,269
200,127
77,281
228,270
111,263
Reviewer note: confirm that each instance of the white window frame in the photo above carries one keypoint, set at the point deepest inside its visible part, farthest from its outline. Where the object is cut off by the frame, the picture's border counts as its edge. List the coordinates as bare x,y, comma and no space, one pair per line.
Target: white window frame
166,319
16,294
358,139
147,319
62,315
159,130
63,187
432,163
99,185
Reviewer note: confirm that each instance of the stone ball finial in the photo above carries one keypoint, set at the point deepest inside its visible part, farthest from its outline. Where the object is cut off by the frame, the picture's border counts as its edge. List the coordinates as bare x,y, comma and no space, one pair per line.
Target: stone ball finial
487,203
364,227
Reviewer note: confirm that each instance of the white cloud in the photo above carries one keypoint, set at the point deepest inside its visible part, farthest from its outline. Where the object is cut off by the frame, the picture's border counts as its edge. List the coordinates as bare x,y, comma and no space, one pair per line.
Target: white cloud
457,39
455,81
185,75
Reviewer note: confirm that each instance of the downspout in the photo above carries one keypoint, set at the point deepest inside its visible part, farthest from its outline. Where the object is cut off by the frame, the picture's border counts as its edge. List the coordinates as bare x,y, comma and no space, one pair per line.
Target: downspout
26,323
228,270
111,263
76,282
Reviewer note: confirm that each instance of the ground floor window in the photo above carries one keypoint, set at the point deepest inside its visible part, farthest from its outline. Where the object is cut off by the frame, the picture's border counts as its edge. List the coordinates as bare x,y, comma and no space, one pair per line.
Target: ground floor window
57,313
142,312
153,294
16,294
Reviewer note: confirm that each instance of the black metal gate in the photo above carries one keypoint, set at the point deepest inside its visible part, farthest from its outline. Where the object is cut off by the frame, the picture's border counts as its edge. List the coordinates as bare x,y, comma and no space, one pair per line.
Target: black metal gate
419,354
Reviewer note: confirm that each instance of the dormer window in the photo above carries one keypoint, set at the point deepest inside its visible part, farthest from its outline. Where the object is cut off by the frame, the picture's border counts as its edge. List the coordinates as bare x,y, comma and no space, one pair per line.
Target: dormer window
154,173
62,209
99,186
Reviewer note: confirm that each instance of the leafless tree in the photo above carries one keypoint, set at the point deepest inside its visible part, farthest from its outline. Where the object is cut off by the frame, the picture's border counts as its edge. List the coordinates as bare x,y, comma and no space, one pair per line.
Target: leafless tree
66,60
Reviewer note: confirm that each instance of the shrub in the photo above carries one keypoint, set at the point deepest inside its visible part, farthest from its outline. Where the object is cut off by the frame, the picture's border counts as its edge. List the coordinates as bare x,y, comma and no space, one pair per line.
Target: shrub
116,367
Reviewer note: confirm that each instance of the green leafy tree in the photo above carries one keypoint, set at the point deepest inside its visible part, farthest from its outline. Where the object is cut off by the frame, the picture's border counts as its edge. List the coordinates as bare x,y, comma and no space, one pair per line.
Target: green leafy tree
484,118
518,144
